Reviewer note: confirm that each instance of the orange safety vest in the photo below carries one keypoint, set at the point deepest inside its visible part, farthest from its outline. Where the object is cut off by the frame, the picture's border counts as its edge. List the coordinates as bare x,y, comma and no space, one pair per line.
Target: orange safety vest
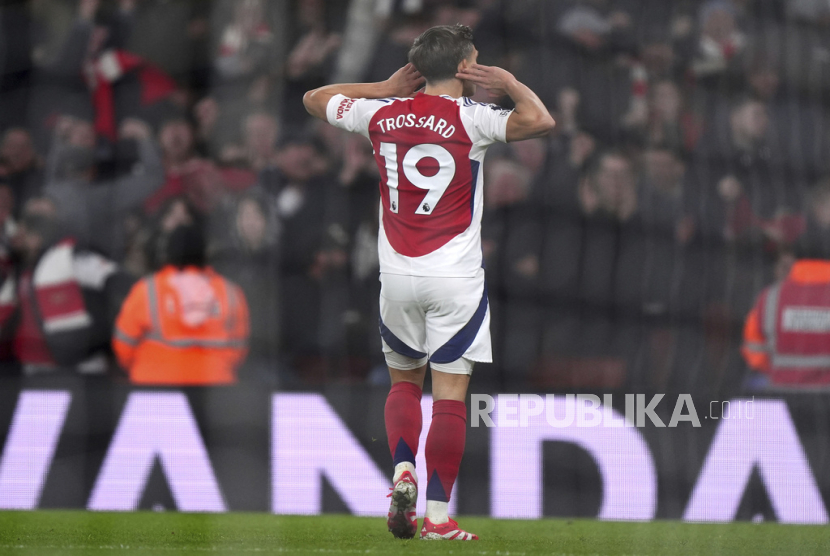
787,333
182,327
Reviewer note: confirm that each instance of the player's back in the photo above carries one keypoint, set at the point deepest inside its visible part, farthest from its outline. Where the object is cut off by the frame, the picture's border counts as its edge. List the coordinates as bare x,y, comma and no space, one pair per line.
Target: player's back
429,152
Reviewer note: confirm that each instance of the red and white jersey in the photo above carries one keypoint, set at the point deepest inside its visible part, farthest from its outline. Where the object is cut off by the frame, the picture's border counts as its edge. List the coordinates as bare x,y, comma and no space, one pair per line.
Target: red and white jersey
429,150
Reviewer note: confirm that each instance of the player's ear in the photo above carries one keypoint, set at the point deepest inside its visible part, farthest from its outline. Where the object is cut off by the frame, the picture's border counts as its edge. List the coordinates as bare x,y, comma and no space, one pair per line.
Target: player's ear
468,61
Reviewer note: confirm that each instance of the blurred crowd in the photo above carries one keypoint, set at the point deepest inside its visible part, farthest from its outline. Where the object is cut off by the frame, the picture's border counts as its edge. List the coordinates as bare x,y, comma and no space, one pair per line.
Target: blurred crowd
689,168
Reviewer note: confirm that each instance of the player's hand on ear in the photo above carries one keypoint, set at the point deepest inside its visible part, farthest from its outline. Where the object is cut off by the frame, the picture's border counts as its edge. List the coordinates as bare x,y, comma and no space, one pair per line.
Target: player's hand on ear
493,79
405,81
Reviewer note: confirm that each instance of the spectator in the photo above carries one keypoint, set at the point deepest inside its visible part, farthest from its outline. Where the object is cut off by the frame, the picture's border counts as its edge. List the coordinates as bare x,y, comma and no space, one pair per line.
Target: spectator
816,236
184,325
58,305
247,253
721,42
93,212
93,77
674,276
176,138
569,151
747,203
20,166
150,247
177,142
298,161
206,113
258,150
71,131
352,161
793,126
310,60
666,37
261,131
313,260
170,35
246,53
597,40
126,86
590,26
787,333
604,279
750,180
666,121
662,193
511,248
666,203
60,87
610,189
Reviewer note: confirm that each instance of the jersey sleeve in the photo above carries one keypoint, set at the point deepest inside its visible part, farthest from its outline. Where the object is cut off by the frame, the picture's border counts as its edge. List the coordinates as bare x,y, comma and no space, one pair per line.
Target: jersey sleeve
352,114
486,122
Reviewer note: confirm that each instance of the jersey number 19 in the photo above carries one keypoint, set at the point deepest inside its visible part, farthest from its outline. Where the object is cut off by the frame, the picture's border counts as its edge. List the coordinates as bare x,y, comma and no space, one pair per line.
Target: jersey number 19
435,185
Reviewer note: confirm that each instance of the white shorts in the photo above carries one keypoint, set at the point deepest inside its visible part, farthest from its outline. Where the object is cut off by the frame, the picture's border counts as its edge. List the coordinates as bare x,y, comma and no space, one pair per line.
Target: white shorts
438,319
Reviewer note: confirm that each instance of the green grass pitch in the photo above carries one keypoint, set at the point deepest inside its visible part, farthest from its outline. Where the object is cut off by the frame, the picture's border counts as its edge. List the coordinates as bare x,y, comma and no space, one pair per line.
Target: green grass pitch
75,533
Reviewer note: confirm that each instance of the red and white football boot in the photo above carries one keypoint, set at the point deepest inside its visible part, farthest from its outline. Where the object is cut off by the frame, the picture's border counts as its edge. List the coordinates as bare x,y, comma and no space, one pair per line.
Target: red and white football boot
401,521
448,531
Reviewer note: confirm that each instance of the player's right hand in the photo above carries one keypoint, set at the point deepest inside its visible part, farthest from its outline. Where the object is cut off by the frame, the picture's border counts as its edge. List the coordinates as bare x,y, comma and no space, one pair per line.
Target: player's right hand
405,81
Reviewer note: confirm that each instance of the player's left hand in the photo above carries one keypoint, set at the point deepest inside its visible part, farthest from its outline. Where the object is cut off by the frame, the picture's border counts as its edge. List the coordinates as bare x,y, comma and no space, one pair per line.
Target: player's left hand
494,79
405,81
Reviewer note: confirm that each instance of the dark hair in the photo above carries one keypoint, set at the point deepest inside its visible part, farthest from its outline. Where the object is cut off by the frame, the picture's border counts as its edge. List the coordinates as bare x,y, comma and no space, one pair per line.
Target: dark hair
439,50
186,247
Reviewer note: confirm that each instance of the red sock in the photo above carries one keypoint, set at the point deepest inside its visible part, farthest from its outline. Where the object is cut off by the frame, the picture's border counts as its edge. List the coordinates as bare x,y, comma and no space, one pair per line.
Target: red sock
403,421
445,446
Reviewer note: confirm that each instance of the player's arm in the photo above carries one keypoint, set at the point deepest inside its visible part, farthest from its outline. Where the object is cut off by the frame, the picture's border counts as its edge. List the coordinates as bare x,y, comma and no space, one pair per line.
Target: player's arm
530,118
402,83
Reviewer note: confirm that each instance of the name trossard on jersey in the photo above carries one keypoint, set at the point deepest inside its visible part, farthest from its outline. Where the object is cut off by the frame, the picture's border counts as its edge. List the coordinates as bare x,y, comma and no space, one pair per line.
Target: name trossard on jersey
429,150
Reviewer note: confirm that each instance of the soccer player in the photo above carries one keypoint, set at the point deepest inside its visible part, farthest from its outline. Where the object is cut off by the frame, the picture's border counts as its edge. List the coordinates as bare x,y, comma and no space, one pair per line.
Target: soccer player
429,148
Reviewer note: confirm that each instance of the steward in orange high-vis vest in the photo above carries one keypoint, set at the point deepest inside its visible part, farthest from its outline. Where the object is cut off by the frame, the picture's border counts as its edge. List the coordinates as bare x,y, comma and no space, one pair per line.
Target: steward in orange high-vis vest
787,333
185,324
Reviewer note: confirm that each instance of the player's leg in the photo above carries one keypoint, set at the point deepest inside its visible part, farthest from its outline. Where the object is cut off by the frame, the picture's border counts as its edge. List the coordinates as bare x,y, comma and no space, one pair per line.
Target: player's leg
402,415
445,447
458,333
402,330
447,435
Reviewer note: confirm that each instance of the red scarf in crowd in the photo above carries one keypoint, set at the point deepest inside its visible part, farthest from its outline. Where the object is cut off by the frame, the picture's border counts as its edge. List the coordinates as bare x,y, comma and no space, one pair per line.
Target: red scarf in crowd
111,66
57,299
